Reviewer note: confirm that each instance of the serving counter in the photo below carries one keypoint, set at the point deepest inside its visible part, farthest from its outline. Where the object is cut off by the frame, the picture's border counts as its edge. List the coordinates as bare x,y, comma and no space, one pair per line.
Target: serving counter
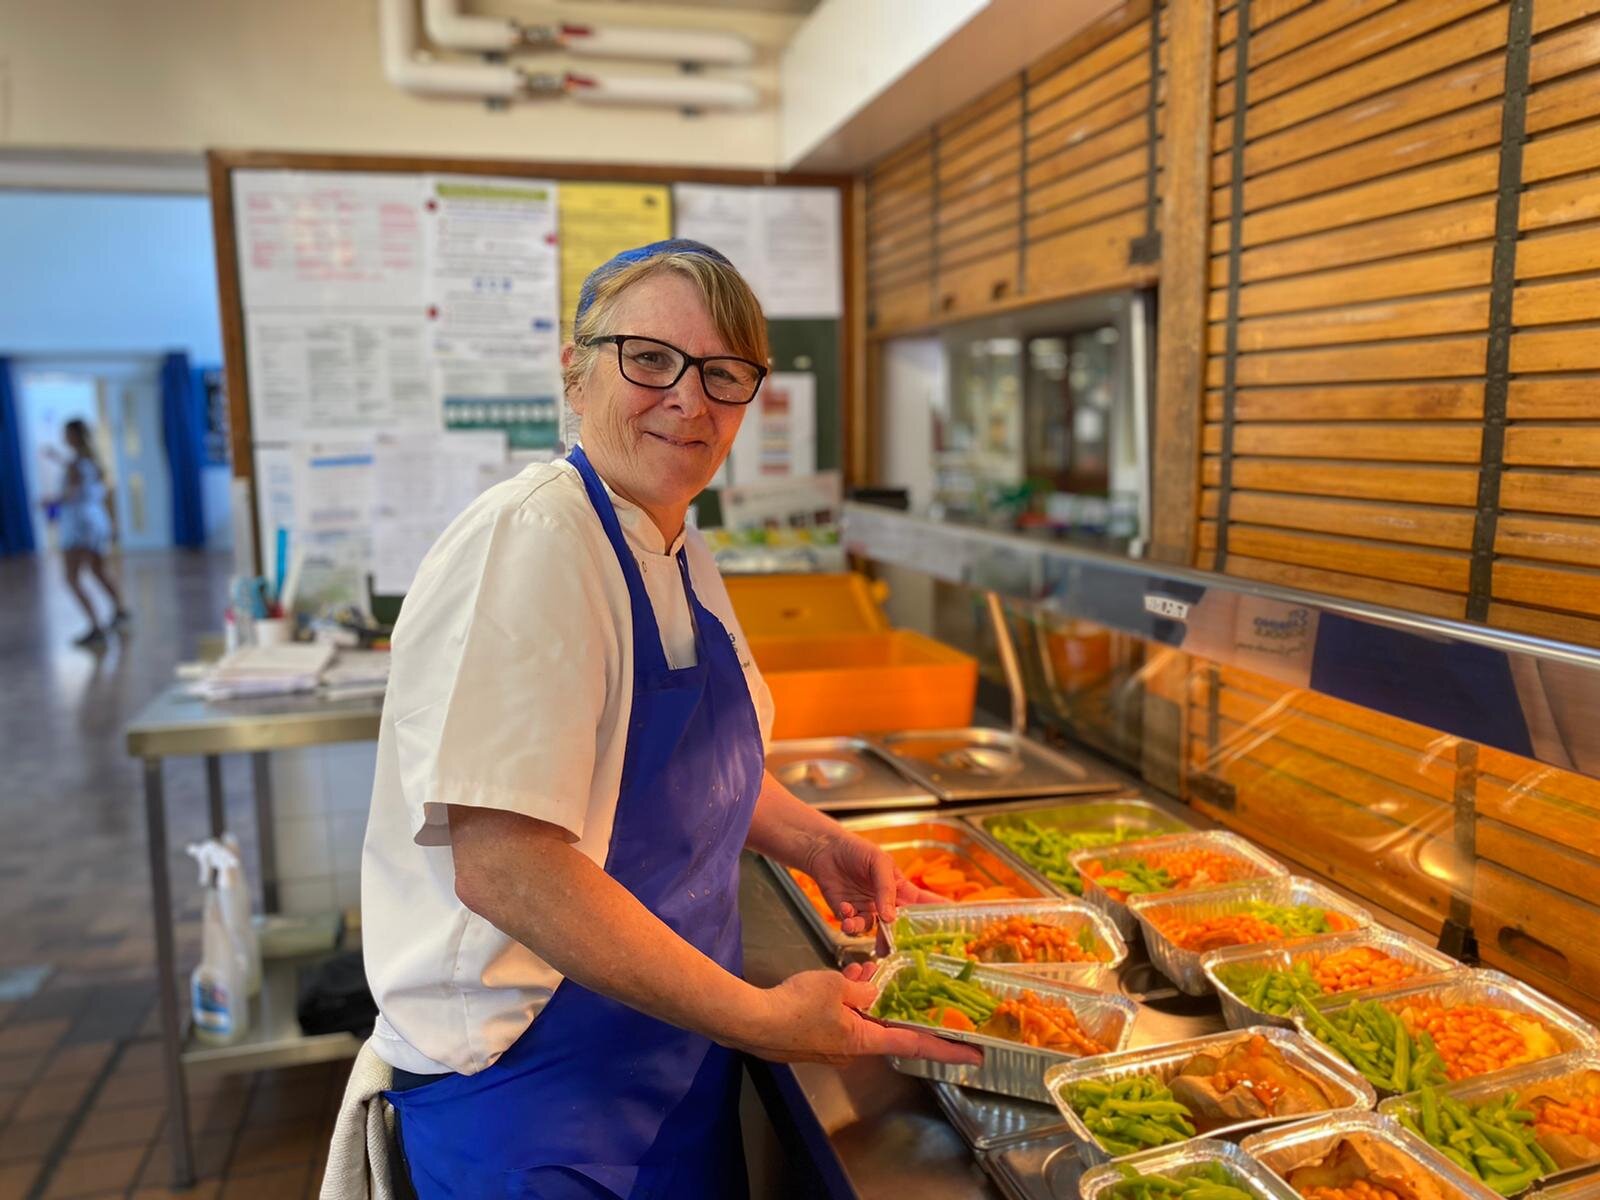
867,1130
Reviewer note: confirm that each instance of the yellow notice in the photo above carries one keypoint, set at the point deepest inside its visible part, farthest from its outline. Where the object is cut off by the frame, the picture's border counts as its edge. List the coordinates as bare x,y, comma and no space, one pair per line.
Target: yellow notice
599,220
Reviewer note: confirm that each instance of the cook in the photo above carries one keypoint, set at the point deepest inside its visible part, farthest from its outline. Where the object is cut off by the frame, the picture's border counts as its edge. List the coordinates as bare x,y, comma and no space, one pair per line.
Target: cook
570,762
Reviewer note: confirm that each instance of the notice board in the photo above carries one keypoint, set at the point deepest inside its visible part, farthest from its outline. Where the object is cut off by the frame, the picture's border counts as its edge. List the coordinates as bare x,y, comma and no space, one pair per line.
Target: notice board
392,327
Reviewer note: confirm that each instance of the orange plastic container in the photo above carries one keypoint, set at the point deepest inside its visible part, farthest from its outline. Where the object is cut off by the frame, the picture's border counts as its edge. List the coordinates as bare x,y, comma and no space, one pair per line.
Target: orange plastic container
848,683
804,605
834,665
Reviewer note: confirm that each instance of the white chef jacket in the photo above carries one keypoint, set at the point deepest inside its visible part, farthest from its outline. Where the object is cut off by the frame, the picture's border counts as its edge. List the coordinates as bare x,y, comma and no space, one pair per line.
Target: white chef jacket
511,688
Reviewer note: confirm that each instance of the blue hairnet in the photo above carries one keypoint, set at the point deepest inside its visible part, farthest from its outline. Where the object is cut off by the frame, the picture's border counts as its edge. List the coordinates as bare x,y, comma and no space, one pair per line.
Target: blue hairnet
639,254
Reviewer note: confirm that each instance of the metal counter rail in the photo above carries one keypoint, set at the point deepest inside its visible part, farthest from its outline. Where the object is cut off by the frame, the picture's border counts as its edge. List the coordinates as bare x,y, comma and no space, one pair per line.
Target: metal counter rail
1362,653
176,724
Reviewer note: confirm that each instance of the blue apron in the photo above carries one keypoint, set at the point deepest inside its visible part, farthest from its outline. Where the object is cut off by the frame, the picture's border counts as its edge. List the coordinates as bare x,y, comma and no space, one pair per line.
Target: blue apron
595,1099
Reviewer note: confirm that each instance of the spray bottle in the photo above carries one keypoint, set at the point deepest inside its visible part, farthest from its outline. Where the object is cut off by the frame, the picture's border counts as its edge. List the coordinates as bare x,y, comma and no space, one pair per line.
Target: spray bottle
218,986
235,891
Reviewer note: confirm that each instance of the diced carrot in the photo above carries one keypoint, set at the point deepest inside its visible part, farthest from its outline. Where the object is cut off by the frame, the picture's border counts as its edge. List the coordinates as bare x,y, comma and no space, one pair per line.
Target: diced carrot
954,1018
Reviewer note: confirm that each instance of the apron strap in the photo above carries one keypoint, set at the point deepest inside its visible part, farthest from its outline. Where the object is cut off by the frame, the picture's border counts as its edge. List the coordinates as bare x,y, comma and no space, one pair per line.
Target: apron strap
648,651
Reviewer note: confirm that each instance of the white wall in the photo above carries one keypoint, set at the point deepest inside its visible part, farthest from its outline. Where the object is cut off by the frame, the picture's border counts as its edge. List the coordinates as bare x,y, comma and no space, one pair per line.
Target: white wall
914,384
849,52
184,75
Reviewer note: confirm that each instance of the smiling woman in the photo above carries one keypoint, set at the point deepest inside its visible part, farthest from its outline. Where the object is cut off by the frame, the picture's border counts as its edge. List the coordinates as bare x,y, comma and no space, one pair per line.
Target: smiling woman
656,431
570,763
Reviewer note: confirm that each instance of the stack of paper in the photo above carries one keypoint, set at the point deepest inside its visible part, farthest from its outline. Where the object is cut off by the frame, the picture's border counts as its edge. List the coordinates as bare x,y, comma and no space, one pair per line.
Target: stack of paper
266,671
357,673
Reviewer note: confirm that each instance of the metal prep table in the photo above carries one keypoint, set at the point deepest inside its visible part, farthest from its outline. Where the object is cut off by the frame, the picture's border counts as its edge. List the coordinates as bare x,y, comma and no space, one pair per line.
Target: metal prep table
177,724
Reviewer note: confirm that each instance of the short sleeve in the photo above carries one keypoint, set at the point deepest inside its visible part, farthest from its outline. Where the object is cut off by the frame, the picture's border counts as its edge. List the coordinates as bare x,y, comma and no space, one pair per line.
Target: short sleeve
504,667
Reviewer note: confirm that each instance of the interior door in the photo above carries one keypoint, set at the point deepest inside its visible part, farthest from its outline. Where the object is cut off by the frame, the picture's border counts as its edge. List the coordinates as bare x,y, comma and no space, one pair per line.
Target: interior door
131,401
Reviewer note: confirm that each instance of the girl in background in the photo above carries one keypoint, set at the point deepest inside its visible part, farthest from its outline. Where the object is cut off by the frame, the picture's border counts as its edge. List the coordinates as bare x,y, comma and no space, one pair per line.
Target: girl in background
86,531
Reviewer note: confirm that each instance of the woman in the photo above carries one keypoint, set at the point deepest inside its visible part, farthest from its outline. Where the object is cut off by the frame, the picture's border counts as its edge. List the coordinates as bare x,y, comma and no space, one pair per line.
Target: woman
570,762
84,527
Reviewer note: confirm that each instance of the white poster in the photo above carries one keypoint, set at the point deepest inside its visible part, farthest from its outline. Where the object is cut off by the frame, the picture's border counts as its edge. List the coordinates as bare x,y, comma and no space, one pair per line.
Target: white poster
786,242
275,505
727,219
323,372
778,437
803,249
802,502
325,239
421,483
314,501
493,305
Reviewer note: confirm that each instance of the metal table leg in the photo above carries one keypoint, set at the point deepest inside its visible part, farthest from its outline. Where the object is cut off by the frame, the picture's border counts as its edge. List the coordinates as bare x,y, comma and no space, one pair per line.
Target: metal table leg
219,813
166,977
262,778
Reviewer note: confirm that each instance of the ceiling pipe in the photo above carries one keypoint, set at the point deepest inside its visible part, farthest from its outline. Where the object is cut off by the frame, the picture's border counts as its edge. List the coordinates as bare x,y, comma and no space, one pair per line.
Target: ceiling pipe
709,47
690,92
413,71
452,29
407,70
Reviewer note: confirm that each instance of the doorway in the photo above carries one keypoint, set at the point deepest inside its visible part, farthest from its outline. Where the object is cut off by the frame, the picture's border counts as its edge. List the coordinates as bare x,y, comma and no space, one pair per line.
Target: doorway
120,401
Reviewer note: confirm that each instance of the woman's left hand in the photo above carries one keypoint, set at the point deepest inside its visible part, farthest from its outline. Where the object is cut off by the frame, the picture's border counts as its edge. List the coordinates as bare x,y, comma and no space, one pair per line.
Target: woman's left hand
861,882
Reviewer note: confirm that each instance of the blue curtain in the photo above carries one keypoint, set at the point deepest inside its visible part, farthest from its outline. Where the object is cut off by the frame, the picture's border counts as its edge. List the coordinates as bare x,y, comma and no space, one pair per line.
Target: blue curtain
16,525
183,422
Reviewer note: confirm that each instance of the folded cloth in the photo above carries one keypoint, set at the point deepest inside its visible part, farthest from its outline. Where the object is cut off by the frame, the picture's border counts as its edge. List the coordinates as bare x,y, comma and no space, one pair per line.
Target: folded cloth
359,1156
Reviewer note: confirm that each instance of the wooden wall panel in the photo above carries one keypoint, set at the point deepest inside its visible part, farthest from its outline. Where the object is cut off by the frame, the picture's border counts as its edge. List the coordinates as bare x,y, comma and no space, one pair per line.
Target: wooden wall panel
1546,538
1035,191
1349,439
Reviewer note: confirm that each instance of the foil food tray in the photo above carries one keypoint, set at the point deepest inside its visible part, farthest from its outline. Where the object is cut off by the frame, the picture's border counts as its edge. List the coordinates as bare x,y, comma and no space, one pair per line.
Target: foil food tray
989,764
1491,988
836,774
1124,814
1256,864
1183,966
1429,962
1009,1068
1583,1185
1197,1152
1070,915
1347,1090
907,831
1283,1149
1486,1088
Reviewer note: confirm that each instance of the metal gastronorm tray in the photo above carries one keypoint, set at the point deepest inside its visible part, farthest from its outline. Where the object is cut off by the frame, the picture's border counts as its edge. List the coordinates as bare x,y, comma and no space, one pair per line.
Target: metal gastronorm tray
1010,1068
1183,966
1046,1167
1346,1088
1283,955
1071,915
835,774
989,764
909,831
986,1120
1253,864
1283,1149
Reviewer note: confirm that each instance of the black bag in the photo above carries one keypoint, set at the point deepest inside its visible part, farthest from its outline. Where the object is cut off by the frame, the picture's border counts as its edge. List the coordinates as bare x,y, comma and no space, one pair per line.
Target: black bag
334,997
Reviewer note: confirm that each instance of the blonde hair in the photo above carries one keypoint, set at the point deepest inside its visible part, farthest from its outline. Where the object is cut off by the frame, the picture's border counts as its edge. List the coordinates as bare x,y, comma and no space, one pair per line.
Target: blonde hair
734,309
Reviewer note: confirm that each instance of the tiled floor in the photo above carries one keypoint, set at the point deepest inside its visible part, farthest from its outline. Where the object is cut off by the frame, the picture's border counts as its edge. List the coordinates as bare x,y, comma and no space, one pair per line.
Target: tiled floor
82,1105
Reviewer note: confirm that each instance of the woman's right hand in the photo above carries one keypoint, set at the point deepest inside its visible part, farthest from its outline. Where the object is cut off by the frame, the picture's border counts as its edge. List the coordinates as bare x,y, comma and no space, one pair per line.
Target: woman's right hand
817,1016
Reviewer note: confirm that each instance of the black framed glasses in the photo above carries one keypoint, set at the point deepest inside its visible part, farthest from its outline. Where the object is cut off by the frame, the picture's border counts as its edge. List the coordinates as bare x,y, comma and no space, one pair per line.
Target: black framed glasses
655,364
